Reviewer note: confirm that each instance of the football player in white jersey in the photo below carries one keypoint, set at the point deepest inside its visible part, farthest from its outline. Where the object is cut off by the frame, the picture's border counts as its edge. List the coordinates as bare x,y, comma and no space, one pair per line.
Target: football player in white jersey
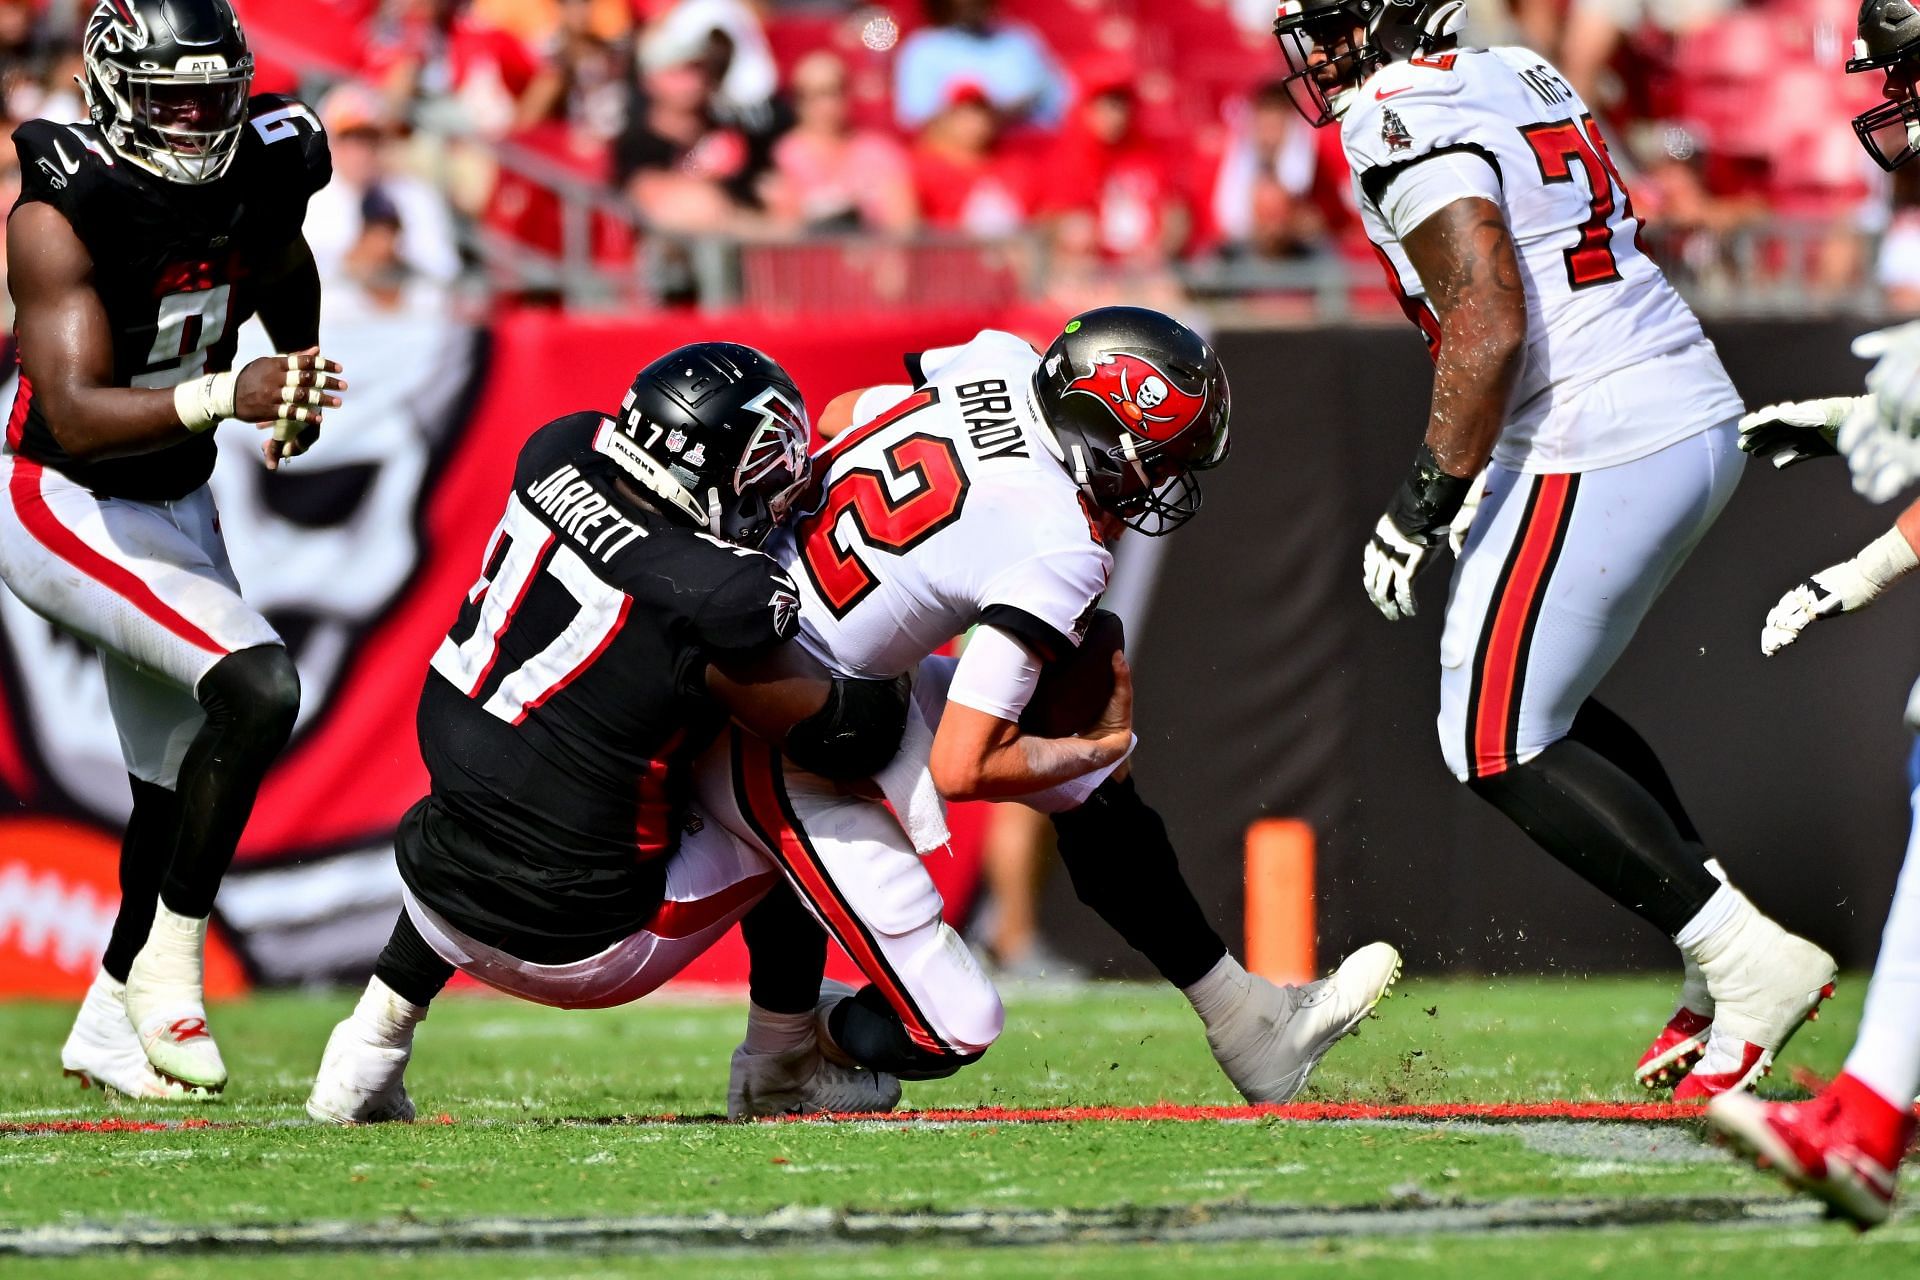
1568,370
982,495
1845,1146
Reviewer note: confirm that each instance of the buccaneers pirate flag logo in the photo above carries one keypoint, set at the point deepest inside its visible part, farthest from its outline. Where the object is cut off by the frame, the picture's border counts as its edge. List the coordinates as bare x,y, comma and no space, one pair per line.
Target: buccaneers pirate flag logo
1143,398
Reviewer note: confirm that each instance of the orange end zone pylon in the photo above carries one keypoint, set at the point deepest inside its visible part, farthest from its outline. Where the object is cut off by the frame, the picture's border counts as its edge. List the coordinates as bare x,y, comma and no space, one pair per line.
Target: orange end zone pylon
1280,908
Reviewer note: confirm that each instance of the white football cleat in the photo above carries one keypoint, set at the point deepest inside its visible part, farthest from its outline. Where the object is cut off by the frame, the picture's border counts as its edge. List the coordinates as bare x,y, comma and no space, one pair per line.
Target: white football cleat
801,1082
166,1002
103,1052
362,1078
1271,1041
1765,982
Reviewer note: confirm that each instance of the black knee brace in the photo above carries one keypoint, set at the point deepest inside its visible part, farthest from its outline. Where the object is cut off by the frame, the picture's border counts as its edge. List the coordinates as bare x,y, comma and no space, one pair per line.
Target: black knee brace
253,697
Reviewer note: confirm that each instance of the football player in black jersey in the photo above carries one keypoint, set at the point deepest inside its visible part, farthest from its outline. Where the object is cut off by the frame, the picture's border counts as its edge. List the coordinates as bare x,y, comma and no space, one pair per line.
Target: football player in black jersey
140,243
621,616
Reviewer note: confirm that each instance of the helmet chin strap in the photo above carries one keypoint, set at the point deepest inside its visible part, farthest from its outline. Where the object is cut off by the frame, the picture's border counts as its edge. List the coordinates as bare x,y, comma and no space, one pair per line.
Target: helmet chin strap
1340,100
713,511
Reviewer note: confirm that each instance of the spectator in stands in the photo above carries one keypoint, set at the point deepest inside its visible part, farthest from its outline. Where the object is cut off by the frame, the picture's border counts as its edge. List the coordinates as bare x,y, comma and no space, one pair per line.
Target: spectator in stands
1109,187
582,81
363,135
436,57
9,192
1598,30
746,84
1272,192
967,45
964,178
828,175
684,166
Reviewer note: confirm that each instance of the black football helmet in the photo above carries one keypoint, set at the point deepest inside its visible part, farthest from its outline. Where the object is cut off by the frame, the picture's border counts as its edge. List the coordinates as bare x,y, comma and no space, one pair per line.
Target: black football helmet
167,82
718,432
1332,46
1137,403
1888,39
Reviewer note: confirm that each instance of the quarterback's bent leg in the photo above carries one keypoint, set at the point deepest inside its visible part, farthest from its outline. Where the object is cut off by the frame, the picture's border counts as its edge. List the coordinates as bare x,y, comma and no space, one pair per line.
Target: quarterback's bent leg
931,1010
1266,1038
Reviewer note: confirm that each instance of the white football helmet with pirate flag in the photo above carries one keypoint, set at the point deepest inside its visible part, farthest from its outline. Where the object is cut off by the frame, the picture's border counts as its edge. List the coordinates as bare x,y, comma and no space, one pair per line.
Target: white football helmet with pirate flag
718,432
1888,40
1332,46
166,82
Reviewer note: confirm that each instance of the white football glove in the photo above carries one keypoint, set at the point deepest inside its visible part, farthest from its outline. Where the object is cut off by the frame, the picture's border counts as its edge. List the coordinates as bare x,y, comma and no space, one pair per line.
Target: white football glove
1841,588
1793,431
1392,562
1883,462
1894,380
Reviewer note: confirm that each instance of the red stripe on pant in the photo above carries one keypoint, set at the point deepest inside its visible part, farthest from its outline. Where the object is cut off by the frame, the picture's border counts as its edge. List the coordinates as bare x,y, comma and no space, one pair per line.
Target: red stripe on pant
1491,736
759,767
38,519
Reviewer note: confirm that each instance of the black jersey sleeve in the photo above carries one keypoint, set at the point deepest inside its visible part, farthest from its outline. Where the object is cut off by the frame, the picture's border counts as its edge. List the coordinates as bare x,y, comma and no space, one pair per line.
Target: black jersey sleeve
755,608
58,166
283,158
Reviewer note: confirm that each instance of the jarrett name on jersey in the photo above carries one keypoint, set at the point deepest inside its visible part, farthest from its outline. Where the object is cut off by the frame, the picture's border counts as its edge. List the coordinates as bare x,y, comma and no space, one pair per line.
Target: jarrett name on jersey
1617,367
568,701
945,508
174,265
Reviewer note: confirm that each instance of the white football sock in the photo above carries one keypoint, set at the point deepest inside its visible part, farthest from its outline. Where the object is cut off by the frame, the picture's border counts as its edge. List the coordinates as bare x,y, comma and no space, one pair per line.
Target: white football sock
1724,908
1220,992
387,1015
769,1032
1886,1055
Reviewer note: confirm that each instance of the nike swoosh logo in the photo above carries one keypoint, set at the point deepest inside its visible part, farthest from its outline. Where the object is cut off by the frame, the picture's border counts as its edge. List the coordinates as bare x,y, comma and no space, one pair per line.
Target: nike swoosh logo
1381,95
71,166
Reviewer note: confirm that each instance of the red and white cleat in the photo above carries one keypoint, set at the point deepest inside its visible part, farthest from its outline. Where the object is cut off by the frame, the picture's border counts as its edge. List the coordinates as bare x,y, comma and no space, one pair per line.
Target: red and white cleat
1731,1064
166,1004
1675,1050
1843,1146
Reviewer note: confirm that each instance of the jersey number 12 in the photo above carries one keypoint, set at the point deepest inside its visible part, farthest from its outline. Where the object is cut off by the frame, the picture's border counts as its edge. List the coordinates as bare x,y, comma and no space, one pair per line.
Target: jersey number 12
920,493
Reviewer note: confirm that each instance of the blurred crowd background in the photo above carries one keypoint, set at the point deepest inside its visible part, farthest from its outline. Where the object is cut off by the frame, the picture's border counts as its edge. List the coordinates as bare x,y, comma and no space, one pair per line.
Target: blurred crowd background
818,155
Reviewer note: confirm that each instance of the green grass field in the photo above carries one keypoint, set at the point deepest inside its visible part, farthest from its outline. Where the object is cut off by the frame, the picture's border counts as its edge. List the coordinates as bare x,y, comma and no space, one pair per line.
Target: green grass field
549,1156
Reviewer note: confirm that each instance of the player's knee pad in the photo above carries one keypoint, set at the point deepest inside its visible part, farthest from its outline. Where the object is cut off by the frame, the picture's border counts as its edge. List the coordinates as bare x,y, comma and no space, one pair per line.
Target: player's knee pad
254,694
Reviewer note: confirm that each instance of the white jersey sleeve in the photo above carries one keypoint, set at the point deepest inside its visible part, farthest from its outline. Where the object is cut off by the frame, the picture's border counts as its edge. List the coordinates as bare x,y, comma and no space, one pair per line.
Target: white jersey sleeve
1045,598
1432,184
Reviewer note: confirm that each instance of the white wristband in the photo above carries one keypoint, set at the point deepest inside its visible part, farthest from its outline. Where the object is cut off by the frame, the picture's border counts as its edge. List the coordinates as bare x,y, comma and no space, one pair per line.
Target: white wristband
1887,559
201,402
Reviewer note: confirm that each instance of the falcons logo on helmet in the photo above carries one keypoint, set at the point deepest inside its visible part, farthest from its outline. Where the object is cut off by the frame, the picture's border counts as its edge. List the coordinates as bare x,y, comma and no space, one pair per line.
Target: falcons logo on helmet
1140,396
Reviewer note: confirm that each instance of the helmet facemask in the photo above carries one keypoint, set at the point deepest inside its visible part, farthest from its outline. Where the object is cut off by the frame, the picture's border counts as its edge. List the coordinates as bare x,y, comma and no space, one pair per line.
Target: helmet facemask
181,123
1888,41
772,474
1150,486
1328,58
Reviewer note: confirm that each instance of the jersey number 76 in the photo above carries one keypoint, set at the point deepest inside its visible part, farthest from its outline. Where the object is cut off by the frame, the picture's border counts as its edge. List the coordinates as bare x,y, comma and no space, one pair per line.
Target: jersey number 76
1557,144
